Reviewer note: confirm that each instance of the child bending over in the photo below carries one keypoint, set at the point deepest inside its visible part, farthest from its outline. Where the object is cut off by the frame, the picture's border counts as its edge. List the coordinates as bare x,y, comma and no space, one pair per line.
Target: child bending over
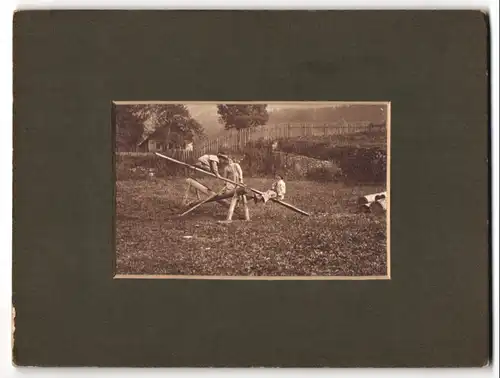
210,163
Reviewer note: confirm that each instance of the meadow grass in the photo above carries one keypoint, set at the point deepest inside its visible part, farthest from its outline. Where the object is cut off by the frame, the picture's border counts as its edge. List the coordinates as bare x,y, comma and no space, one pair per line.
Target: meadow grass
335,240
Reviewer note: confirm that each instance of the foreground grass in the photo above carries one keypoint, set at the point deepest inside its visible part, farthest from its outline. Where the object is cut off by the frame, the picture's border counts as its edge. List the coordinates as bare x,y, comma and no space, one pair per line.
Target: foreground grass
333,241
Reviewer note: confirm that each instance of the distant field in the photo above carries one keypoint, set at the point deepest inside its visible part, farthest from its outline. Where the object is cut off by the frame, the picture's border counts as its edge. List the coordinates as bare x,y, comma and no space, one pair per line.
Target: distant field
333,241
367,139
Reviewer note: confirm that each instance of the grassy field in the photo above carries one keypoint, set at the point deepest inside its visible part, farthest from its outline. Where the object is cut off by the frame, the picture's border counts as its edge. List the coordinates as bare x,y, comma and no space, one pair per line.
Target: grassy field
334,241
365,139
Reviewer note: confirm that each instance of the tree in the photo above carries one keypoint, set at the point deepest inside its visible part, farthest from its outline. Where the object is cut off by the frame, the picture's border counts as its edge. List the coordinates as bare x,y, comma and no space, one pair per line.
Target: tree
129,128
242,116
174,120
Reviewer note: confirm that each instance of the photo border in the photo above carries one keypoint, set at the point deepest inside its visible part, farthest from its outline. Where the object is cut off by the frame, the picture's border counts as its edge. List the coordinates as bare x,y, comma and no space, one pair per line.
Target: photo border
70,65
272,278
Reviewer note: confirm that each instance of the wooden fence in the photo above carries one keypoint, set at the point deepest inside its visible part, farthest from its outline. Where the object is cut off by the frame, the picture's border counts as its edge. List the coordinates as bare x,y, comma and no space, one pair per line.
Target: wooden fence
237,139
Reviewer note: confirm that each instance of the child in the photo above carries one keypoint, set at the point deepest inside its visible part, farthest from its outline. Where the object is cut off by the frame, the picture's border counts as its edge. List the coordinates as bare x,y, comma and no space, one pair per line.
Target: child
233,172
277,190
210,163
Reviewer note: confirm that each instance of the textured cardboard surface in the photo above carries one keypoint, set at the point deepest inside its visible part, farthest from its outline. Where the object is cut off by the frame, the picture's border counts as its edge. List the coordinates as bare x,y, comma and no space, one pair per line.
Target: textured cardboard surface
70,66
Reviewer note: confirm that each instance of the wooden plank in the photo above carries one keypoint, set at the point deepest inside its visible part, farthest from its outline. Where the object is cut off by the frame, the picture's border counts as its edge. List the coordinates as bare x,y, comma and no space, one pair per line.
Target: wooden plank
205,190
227,194
283,203
371,198
198,205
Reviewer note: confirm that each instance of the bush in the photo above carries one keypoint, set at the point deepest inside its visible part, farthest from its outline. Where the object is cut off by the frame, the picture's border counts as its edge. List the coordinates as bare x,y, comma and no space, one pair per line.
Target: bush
303,159
135,166
324,174
358,164
317,150
367,165
261,162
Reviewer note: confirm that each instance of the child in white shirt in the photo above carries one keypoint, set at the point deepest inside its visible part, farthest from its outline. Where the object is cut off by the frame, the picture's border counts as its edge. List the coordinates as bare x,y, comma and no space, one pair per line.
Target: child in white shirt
278,190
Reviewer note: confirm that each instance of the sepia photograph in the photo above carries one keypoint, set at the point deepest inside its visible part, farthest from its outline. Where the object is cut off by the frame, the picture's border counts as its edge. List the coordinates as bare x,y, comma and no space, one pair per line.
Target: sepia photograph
252,190
236,188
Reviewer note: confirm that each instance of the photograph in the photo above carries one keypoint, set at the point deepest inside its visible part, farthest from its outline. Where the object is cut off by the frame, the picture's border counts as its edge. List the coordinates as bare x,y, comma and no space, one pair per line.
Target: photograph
252,190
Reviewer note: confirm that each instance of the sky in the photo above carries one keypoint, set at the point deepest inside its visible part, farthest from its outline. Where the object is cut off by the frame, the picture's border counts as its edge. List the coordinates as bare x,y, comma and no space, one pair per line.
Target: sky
206,114
212,108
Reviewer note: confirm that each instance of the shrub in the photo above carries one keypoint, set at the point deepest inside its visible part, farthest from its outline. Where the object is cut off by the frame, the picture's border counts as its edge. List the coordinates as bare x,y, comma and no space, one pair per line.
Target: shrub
139,166
367,165
302,159
257,162
324,173
358,164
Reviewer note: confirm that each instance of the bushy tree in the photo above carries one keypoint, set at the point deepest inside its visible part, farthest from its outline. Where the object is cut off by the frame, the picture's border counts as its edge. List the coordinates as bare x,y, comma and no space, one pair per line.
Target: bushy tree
242,116
134,123
129,128
174,117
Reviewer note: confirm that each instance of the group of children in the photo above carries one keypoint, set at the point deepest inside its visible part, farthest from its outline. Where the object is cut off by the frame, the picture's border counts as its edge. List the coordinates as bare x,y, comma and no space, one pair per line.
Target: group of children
231,170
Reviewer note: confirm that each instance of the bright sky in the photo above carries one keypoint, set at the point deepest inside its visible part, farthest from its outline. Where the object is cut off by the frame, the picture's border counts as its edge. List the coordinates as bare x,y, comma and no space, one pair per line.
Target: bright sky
270,106
196,109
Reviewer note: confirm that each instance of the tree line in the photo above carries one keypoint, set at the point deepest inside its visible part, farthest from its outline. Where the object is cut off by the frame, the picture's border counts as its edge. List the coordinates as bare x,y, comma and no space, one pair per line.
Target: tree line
134,123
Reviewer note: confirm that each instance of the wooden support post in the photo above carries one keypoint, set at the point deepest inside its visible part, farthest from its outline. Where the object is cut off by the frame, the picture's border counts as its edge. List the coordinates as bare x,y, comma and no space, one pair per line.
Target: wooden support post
186,194
208,199
190,187
245,207
200,188
196,206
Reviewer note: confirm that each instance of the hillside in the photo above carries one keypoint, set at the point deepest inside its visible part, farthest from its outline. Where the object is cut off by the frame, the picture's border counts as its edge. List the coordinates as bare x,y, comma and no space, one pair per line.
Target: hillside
376,114
206,115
